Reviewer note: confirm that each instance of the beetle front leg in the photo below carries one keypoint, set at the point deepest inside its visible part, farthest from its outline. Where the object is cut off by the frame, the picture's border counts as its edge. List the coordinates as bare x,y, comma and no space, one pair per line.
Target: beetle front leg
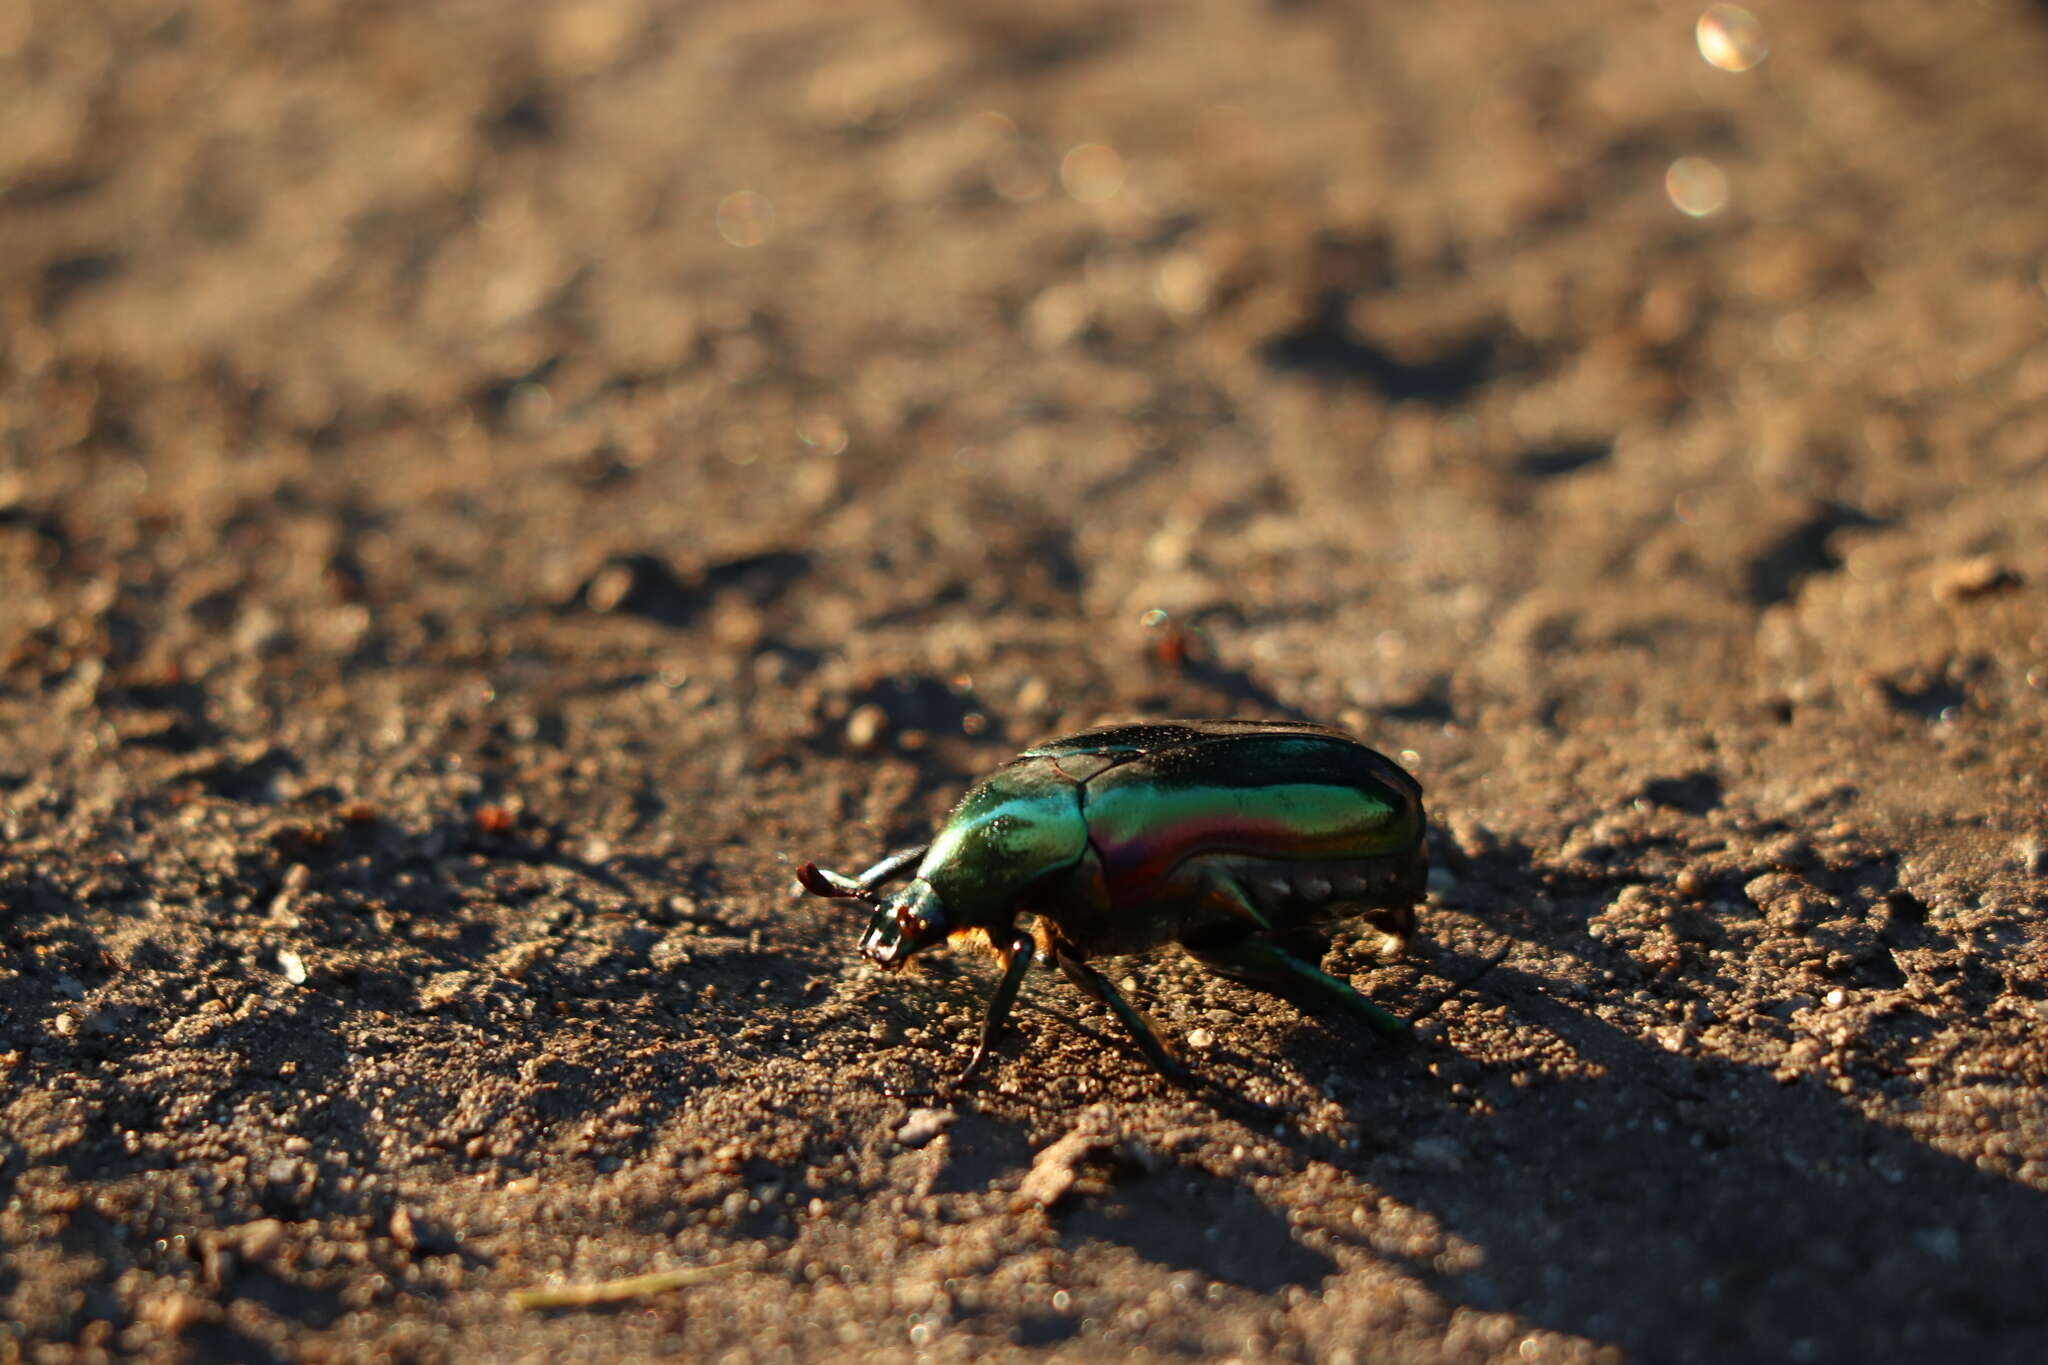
1095,984
1016,962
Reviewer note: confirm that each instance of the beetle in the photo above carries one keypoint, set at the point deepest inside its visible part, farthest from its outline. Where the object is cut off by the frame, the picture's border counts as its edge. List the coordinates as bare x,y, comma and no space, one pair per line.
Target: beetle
1241,841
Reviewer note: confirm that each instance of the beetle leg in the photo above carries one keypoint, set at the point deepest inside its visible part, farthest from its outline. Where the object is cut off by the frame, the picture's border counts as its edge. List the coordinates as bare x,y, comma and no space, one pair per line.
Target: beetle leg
1094,983
1462,984
891,867
1262,962
1016,962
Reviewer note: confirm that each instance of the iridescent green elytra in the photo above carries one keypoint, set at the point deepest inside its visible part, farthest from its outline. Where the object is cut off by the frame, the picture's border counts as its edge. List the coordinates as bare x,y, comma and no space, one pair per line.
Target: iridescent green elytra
1242,841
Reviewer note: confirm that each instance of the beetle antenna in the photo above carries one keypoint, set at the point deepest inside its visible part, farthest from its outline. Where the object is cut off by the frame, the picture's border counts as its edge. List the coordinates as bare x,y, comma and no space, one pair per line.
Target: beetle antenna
819,882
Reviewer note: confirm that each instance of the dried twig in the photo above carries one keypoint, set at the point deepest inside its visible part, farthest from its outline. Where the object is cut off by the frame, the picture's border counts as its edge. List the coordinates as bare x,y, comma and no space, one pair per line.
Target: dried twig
616,1291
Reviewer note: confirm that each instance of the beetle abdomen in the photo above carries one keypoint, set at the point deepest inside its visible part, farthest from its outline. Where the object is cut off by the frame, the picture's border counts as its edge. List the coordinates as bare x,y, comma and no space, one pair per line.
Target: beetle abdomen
1294,895
1282,797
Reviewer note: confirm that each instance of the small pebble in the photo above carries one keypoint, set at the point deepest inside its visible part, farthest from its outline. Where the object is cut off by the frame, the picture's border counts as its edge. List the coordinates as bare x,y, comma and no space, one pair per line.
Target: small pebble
1201,1039
865,726
608,587
262,1238
922,1125
173,1312
1055,1170
1959,580
421,1236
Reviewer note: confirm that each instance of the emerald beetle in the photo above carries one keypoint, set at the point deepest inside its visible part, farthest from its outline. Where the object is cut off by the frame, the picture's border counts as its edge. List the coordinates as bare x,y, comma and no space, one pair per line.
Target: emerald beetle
1242,841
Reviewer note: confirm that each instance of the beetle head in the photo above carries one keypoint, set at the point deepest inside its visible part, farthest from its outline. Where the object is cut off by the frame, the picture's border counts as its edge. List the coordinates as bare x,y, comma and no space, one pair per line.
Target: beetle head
903,924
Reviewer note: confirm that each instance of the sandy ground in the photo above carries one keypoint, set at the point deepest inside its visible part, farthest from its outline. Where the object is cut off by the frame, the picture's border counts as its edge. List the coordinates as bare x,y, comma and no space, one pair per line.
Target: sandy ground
486,488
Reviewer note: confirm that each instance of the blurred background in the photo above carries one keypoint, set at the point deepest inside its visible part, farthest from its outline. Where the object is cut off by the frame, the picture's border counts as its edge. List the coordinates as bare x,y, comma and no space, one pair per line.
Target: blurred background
1533,358
485,486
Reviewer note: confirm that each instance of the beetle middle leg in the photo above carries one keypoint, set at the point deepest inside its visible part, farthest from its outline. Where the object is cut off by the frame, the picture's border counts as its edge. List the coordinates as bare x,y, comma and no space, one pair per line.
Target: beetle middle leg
1236,942
1260,961
1095,984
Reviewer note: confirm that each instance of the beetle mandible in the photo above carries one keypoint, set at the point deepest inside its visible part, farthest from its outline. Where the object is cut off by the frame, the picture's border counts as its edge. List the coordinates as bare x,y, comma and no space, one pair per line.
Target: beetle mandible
1242,841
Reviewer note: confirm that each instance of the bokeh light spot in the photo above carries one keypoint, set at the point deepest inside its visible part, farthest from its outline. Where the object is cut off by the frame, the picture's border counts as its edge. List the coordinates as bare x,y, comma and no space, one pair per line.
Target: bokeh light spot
1697,186
823,432
1731,38
1014,167
1092,172
987,129
746,218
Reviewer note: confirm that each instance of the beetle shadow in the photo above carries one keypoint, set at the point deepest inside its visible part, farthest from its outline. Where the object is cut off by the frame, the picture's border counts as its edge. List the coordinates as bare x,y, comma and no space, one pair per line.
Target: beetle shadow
1171,1214
1689,1208
1176,1216
1183,1218
1725,1206
982,1151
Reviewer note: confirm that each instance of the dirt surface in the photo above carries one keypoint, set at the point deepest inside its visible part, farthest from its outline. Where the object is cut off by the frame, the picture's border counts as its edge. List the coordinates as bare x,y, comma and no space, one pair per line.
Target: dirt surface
486,488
